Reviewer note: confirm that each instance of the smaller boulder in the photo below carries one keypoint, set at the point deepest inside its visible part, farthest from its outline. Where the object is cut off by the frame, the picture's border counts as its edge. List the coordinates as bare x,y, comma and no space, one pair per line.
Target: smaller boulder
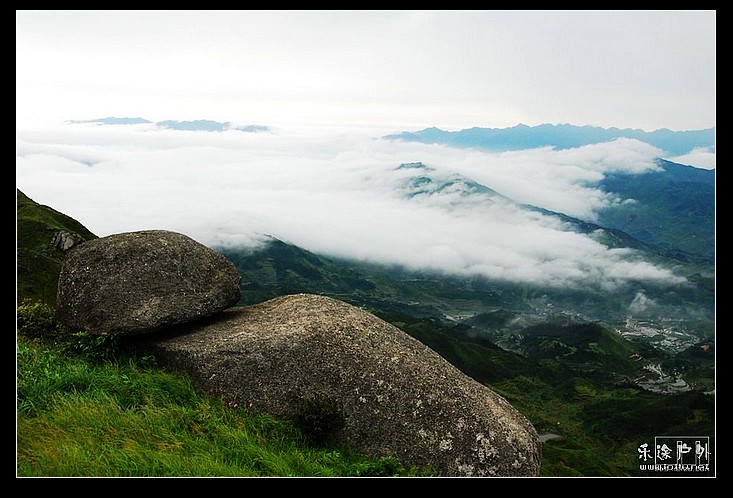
141,282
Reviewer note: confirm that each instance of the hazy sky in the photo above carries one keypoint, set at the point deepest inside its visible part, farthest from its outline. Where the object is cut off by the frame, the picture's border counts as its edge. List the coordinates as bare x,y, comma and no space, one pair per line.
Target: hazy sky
391,70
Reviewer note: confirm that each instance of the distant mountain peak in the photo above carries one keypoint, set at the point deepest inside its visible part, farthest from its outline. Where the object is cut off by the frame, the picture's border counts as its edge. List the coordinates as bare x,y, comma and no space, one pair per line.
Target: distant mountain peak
112,121
415,165
195,125
209,125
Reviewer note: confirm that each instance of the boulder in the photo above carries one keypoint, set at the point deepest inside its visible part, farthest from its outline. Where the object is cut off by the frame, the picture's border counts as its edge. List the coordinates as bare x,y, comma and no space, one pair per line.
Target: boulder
140,282
352,379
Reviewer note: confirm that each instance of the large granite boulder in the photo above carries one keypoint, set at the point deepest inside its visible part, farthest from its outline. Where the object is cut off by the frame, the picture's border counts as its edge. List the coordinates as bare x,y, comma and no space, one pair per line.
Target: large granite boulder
355,380
140,282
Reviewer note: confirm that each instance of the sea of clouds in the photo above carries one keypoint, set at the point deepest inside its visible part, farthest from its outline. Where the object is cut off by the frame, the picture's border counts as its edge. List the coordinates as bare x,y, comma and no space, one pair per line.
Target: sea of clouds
343,193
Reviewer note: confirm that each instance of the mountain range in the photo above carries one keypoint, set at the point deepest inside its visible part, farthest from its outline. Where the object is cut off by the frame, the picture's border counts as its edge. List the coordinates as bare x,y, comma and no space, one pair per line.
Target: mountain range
559,136
672,213
195,125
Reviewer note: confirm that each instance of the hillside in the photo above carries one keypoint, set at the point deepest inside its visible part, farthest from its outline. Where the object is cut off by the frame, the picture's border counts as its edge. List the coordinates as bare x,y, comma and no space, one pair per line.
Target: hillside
674,209
576,382
561,368
508,315
599,391
277,268
38,254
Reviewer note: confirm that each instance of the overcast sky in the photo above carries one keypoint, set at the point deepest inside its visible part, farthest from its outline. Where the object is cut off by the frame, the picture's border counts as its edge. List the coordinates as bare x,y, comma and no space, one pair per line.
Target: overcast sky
391,70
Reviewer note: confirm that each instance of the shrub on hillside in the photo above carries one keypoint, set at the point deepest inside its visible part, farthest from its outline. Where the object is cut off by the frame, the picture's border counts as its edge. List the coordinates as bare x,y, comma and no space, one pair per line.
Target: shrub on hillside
36,320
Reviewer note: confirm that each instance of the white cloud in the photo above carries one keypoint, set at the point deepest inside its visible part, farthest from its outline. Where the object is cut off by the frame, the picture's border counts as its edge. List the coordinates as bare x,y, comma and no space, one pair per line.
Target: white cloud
701,157
341,194
641,303
558,180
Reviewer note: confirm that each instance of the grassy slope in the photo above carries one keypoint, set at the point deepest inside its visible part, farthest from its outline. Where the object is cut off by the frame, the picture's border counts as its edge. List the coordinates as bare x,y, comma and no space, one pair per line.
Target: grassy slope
77,417
38,261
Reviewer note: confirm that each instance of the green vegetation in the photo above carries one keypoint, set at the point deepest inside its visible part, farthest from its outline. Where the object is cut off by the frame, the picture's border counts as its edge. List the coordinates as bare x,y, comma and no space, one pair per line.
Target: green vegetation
38,260
675,210
573,385
277,268
87,405
120,415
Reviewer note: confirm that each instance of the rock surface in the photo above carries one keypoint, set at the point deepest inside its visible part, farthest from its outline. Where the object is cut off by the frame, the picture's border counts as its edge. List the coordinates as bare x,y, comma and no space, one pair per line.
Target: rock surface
305,355
64,240
141,282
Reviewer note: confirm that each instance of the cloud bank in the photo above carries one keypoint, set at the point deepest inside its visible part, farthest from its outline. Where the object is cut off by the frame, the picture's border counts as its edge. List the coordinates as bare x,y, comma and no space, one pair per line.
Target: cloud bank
345,194
701,157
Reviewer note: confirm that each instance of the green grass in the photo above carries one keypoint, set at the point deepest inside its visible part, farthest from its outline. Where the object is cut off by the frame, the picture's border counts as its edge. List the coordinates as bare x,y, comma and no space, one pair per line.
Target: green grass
80,416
